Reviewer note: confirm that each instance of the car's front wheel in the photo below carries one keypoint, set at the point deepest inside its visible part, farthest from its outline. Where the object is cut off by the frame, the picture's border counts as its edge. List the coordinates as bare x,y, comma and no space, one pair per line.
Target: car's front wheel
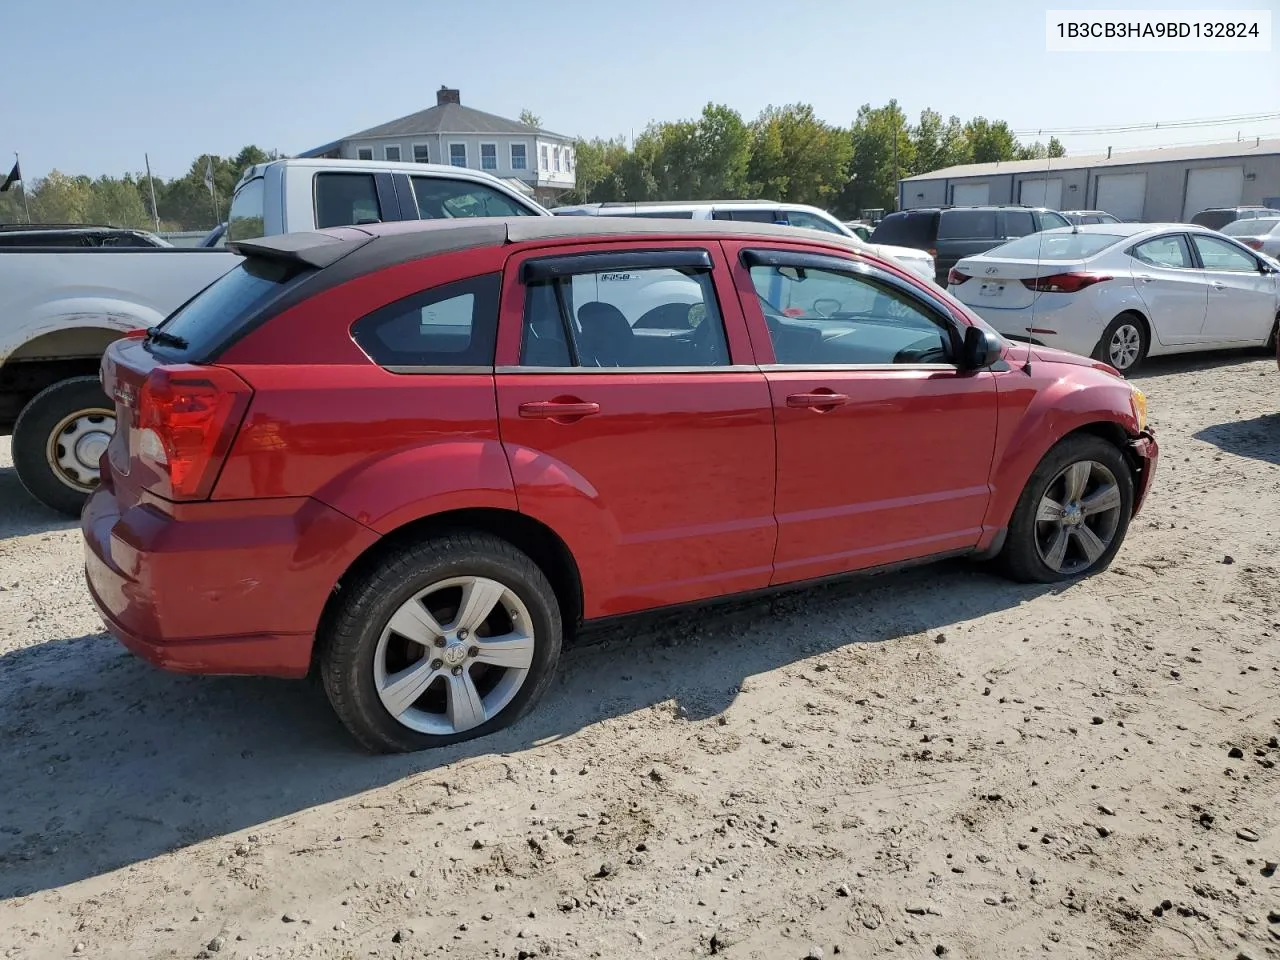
1073,513
450,639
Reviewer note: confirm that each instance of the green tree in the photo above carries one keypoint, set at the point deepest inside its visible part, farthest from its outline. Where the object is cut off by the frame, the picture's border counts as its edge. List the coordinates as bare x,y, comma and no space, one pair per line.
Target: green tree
596,164
529,118
796,157
990,141
118,203
885,151
1056,149
718,155
59,198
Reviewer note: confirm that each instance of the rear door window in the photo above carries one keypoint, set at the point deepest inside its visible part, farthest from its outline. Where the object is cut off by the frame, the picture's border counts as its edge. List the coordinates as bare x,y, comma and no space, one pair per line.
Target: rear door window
346,199
454,325
441,198
803,218
967,225
1171,252
747,216
1019,223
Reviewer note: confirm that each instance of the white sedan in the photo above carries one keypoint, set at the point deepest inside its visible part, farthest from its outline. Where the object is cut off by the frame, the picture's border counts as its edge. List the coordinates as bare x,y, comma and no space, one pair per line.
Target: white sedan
1120,292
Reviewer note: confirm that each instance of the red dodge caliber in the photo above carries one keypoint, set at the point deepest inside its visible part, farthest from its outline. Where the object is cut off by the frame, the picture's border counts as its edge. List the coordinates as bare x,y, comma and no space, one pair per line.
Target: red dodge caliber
417,455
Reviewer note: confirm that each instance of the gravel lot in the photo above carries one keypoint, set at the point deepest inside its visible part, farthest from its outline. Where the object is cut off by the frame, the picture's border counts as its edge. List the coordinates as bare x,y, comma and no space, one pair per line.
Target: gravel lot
935,763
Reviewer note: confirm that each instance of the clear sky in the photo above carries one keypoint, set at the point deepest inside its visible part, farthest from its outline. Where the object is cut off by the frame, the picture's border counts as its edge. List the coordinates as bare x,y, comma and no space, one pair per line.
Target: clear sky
92,84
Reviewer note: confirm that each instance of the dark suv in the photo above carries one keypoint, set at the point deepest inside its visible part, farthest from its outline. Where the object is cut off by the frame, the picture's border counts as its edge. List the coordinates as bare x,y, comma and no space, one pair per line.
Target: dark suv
952,233
1215,218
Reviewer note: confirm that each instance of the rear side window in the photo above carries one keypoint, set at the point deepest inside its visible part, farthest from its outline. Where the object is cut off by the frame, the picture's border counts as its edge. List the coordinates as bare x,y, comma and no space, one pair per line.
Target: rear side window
1051,218
1169,251
246,220
967,225
1019,223
749,216
455,325
221,310
811,221
346,199
906,230
439,198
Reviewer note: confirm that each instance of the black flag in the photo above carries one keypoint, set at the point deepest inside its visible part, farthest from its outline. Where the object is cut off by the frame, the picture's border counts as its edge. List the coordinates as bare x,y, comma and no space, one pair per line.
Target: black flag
15,176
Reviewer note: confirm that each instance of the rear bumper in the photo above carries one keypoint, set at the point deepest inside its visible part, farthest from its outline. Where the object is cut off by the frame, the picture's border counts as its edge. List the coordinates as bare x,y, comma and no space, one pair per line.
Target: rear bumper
1147,453
218,588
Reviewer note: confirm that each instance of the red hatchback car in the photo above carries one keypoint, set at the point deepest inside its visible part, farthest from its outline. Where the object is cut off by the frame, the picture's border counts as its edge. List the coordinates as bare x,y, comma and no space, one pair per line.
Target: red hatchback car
417,455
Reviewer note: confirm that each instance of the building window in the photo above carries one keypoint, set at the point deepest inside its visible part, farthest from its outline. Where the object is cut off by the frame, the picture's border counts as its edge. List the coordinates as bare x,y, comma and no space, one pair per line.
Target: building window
519,158
364,153
421,154
391,153
543,162
557,156
488,156
458,154
568,159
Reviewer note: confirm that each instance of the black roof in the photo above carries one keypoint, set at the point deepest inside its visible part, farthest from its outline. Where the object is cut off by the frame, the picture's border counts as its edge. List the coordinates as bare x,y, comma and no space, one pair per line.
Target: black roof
970,206
79,227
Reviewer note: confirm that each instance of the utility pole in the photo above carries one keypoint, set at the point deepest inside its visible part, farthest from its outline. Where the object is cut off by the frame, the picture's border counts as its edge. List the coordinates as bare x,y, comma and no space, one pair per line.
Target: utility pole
896,189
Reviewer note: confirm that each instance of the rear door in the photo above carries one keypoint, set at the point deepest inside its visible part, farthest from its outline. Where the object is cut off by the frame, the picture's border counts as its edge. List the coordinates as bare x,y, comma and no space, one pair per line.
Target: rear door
635,420
1241,300
884,443
1172,287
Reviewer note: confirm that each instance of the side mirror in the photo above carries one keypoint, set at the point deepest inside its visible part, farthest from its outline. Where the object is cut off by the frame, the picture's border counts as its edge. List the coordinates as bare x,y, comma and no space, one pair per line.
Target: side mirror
981,348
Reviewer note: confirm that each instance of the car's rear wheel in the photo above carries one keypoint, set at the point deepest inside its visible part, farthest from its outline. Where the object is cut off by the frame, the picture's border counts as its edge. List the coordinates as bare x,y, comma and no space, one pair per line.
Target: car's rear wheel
450,639
1124,343
58,440
1073,513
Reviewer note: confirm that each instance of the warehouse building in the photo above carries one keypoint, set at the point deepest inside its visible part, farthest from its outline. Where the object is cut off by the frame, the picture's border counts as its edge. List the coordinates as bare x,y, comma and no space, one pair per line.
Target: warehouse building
1154,186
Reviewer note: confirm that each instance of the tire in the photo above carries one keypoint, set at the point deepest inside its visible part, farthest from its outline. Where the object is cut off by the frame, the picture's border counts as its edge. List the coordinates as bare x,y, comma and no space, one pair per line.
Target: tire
1119,332
1027,552
360,654
1270,348
62,474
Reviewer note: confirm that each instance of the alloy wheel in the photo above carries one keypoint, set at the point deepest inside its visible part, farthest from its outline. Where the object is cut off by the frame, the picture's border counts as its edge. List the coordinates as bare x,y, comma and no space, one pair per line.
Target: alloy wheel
1125,344
454,655
77,444
1078,516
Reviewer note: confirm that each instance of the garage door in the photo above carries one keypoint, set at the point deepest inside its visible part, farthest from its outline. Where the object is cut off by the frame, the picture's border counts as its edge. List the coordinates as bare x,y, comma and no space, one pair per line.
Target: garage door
1213,187
1122,195
1041,193
968,194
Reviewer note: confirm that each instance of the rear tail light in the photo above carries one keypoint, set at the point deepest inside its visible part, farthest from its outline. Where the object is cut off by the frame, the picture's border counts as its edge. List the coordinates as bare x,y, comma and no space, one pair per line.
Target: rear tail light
187,419
955,277
1064,282
1255,244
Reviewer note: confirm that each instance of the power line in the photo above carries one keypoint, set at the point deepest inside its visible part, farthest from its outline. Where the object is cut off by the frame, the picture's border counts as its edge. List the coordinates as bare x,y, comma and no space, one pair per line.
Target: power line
1243,141
1159,125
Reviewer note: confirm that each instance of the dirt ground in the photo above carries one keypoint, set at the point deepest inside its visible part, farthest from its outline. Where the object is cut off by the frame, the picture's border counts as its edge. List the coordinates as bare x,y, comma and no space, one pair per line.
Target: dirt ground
933,763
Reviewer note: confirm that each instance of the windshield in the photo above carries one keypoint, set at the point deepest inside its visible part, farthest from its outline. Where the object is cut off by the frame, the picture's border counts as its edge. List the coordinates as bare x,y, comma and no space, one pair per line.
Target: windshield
1055,246
1251,228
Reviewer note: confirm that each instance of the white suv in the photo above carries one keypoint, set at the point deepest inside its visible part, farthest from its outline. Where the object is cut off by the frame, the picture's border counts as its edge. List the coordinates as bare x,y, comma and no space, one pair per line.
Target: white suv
755,211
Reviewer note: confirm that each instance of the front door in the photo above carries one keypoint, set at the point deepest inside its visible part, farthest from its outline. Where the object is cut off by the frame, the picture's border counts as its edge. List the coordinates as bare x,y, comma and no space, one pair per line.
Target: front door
635,421
1241,299
1172,288
884,443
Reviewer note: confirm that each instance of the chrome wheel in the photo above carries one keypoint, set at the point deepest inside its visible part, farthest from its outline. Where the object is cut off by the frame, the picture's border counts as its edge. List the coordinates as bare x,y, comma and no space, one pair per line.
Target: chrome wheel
1124,346
1078,517
454,655
76,445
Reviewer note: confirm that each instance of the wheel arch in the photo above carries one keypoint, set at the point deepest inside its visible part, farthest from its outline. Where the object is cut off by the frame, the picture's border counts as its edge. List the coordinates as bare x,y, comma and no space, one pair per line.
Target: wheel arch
542,544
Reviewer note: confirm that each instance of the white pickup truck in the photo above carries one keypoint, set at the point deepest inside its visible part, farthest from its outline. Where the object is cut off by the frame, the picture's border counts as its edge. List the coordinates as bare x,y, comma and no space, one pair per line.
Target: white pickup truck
61,307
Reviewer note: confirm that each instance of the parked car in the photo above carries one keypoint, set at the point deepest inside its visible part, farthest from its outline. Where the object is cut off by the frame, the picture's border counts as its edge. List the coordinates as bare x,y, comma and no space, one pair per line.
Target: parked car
59,308
73,235
753,211
1261,234
1089,216
1120,292
1218,217
949,233
859,229
419,455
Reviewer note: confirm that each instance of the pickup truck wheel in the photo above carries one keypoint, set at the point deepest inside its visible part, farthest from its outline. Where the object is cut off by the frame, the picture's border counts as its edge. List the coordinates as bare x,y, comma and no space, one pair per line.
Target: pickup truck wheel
1073,513
58,440
443,641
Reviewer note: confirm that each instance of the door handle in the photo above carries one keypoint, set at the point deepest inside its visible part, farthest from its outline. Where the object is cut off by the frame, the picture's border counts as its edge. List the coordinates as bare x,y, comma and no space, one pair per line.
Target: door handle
818,400
557,409
1145,278
1219,285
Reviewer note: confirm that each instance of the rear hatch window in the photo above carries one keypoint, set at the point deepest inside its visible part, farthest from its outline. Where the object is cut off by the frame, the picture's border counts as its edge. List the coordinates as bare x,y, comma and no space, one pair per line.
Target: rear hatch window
208,322
906,230
967,225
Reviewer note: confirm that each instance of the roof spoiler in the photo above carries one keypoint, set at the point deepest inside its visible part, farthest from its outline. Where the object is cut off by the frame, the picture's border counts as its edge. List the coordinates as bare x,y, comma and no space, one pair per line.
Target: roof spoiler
315,250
